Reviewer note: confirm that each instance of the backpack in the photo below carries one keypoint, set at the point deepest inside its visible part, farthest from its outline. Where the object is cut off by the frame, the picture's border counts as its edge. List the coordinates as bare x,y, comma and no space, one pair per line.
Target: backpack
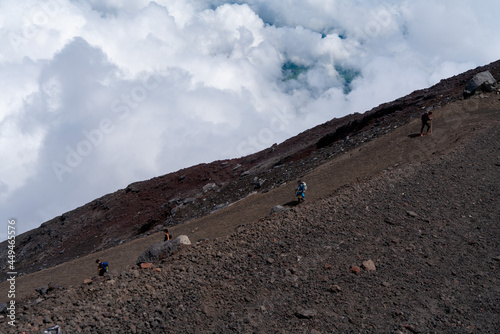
425,117
104,265
305,186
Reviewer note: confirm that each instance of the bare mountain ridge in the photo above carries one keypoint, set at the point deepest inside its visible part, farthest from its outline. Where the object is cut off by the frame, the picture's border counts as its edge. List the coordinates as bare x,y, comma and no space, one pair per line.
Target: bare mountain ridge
172,199
399,235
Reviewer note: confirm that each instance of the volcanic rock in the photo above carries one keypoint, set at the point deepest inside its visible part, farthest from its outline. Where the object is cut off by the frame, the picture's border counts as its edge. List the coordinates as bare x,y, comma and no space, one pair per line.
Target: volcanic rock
484,81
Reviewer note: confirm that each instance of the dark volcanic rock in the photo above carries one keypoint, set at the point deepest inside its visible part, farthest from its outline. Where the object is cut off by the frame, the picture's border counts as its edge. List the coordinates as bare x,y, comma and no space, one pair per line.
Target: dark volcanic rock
162,250
157,251
483,81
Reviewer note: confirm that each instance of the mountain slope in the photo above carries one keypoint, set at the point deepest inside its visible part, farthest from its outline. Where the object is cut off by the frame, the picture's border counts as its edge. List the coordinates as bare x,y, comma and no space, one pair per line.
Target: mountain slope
425,211
143,207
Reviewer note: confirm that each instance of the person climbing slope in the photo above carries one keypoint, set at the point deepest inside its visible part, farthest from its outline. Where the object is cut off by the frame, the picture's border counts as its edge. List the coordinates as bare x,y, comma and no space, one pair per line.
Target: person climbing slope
426,117
102,267
167,235
300,193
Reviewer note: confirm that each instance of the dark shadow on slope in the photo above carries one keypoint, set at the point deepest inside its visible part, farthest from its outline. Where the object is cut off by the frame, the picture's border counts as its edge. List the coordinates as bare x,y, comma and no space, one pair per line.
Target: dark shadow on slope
291,203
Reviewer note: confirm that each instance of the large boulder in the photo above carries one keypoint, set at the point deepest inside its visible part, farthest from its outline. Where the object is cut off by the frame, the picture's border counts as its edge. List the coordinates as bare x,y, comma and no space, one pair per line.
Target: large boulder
484,81
183,240
162,250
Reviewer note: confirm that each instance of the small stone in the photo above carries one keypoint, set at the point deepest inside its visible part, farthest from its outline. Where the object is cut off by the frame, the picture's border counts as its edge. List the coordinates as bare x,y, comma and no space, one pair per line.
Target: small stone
335,288
146,265
389,221
412,328
87,281
369,265
355,270
209,186
411,213
42,290
327,266
158,270
306,314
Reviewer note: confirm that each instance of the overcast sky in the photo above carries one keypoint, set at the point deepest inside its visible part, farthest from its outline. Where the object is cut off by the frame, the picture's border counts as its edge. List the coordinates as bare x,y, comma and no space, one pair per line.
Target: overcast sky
98,94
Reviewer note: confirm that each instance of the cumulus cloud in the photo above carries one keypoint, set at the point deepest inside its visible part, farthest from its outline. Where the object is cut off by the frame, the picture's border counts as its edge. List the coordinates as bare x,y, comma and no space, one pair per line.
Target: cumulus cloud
98,94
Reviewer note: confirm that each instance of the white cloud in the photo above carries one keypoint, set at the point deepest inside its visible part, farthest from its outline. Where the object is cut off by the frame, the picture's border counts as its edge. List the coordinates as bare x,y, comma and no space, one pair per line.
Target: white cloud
98,94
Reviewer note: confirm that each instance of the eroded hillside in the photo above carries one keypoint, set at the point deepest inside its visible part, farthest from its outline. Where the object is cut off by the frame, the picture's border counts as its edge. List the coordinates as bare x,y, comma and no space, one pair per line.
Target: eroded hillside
400,235
143,207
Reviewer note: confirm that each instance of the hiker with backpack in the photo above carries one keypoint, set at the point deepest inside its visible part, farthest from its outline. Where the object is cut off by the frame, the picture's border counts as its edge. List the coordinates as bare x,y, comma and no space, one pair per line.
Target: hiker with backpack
168,236
300,193
102,267
426,117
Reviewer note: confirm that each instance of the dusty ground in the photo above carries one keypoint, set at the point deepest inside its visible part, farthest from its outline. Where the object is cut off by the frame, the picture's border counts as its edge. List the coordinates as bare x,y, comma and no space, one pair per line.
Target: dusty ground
424,210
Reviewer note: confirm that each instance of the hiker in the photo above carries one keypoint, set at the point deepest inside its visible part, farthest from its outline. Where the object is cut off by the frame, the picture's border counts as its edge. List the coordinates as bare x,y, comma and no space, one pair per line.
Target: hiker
300,192
102,267
168,236
426,117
